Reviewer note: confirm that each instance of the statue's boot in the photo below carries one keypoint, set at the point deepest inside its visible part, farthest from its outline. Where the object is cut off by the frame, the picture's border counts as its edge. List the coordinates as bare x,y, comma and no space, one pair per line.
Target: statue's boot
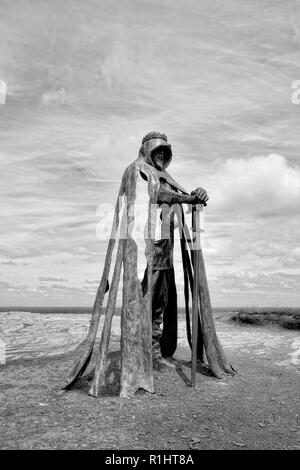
161,363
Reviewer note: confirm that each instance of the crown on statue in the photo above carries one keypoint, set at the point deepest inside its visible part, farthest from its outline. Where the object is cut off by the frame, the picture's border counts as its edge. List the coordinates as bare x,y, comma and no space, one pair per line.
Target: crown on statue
154,135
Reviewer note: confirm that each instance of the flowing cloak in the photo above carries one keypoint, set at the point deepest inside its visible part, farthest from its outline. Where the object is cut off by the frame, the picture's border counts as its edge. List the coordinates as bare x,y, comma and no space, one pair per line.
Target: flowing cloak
136,312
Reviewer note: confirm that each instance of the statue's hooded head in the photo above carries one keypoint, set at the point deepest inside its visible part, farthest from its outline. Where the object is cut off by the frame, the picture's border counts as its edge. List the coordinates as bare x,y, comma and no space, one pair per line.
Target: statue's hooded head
156,151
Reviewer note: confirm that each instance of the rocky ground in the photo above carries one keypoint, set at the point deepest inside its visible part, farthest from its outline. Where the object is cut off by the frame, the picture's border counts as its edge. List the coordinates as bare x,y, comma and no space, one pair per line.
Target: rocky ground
258,408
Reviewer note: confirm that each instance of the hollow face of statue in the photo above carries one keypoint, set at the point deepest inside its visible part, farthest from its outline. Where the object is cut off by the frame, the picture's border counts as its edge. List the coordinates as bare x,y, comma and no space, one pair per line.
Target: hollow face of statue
159,157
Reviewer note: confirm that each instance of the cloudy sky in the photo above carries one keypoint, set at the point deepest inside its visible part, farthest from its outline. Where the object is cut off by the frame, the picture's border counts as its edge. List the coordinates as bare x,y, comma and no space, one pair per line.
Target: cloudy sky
86,80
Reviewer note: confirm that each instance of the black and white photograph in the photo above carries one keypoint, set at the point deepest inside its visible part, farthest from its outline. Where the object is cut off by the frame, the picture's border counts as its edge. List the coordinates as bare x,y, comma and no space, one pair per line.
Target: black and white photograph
150,228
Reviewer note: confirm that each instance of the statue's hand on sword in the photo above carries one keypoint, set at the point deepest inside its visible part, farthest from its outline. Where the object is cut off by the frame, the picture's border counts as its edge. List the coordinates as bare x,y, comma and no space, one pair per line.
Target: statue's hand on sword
200,196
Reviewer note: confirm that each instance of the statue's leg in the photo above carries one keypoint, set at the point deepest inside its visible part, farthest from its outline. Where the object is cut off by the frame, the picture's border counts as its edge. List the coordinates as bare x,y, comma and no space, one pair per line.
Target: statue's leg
159,298
164,311
168,340
159,302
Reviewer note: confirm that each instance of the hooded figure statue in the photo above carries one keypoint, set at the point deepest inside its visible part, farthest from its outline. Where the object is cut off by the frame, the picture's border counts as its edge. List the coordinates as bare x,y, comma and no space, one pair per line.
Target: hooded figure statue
149,302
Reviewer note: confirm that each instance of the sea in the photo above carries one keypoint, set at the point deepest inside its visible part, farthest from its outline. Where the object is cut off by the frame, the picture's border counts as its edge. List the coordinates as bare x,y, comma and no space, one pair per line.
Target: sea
89,310
33,332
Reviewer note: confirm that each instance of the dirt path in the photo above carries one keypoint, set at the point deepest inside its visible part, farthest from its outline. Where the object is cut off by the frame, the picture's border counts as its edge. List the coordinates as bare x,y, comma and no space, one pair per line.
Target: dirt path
256,409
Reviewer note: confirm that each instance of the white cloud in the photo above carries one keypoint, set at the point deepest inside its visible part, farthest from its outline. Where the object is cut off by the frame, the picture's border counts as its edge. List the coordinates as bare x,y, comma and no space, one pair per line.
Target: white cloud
54,97
52,279
2,92
260,185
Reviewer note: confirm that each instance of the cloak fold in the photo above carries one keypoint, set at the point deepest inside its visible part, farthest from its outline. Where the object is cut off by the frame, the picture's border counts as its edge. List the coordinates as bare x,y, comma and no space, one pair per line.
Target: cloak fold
136,312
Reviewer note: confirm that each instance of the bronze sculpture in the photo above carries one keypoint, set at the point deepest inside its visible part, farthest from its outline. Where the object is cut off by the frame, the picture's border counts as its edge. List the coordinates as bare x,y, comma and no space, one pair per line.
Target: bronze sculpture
146,304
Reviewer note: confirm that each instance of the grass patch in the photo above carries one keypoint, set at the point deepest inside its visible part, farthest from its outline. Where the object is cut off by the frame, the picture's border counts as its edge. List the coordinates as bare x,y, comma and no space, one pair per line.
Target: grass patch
286,318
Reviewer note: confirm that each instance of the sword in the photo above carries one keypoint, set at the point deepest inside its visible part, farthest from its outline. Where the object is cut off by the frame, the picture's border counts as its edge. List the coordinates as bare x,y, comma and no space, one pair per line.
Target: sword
196,209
